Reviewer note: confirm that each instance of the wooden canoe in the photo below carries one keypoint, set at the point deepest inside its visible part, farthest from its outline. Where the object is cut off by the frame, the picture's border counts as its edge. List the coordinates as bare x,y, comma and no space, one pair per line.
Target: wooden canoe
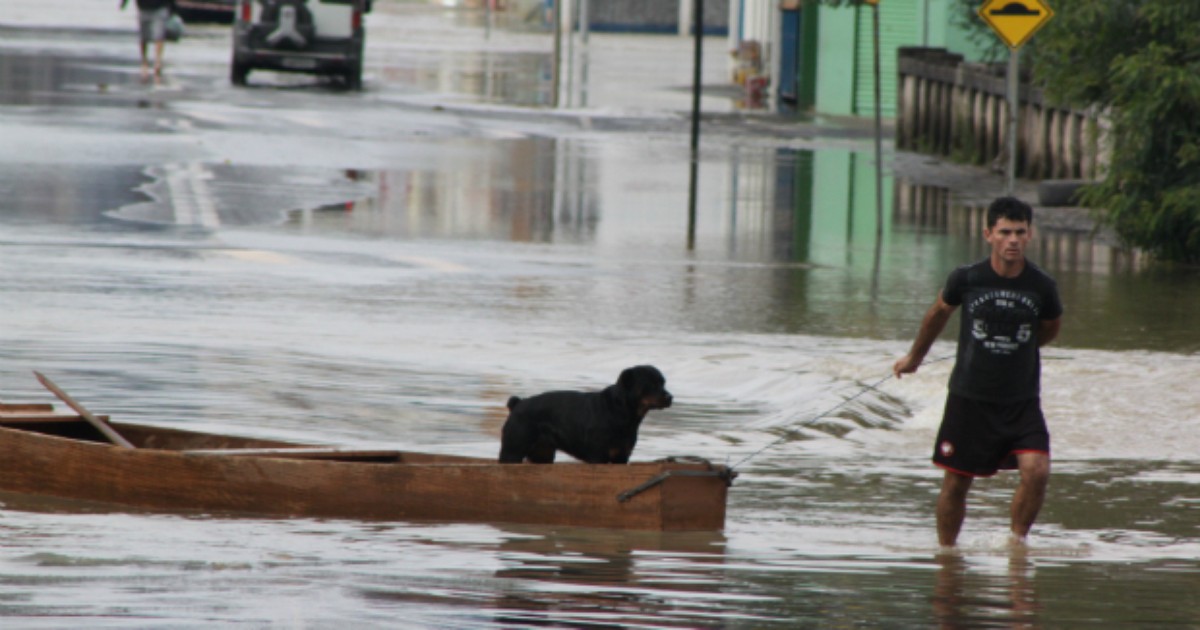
66,455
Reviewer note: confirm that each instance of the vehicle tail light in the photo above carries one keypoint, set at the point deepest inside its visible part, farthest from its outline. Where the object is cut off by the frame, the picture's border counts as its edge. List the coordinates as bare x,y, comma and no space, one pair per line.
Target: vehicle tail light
245,10
356,19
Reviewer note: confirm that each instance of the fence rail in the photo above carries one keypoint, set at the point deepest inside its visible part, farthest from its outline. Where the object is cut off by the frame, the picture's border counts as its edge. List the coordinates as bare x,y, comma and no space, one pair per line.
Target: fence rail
955,108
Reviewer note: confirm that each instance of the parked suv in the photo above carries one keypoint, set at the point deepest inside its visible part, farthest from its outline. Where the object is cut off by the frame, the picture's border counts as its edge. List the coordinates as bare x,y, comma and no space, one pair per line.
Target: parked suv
314,36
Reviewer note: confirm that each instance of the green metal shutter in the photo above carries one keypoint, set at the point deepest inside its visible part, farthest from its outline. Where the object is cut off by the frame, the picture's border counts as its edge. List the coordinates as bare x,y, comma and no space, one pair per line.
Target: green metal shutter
899,25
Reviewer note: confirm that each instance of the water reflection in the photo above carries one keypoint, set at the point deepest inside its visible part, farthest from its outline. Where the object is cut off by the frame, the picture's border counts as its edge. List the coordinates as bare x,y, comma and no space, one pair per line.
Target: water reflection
1067,243
967,597
529,190
571,577
783,240
517,78
68,195
609,578
209,196
47,79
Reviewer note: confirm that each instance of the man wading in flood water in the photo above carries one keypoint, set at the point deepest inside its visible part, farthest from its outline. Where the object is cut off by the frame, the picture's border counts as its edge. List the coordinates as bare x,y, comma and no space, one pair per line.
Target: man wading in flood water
152,29
993,418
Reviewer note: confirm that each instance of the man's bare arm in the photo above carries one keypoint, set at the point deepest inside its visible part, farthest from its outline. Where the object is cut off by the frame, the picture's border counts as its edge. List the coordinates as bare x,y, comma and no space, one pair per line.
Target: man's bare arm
932,325
1048,330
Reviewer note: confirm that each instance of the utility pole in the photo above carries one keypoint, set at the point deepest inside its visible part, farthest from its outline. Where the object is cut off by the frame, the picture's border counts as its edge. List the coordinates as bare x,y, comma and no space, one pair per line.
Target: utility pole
1014,22
1010,171
556,65
695,164
878,124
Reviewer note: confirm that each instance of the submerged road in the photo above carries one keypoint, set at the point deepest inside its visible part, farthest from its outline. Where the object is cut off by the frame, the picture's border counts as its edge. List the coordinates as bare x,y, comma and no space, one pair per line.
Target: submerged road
383,269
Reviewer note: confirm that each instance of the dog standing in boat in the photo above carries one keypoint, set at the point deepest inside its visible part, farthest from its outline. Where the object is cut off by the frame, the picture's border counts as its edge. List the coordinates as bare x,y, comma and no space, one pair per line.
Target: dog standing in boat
595,427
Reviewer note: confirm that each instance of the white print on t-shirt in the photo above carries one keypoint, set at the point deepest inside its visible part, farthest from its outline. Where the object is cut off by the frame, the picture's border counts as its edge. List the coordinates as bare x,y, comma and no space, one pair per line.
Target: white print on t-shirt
1005,299
1002,320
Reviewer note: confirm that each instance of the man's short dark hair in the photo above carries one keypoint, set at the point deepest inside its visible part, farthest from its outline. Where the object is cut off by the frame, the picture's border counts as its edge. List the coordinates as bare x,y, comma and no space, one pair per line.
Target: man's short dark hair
1009,208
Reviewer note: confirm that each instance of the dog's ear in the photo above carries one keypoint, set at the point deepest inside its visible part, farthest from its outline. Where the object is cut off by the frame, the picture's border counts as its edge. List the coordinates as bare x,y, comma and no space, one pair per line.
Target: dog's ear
633,379
627,379
640,378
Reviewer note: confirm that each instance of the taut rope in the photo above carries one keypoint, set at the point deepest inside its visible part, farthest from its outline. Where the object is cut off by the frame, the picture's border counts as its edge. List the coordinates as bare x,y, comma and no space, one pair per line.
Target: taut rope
784,438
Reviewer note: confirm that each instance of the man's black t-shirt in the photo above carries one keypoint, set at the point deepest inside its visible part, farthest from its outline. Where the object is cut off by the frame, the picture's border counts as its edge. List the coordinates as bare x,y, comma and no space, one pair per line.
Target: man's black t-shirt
998,358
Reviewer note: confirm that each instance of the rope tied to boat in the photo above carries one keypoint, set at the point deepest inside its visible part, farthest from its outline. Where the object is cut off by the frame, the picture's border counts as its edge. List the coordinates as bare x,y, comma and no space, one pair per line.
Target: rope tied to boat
721,472
728,473
786,436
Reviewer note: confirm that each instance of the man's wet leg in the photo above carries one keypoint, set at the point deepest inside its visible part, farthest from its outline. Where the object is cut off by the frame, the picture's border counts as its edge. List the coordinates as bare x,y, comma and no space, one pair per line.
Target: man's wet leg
952,507
1031,493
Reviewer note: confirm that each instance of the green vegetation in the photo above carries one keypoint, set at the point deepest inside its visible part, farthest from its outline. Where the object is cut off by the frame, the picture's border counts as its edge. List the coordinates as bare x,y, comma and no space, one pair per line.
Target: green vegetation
1138,60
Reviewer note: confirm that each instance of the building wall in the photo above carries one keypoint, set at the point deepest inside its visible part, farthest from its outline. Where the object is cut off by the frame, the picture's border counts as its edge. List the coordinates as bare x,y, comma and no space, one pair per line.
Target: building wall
835,61
844,72
752,20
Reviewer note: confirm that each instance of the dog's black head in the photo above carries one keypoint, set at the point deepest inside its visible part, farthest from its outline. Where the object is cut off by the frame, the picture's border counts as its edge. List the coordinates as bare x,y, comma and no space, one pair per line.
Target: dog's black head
645,387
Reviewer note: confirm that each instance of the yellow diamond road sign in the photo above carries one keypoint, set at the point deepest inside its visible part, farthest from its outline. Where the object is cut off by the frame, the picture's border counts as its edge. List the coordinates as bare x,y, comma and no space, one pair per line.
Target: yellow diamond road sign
1015,21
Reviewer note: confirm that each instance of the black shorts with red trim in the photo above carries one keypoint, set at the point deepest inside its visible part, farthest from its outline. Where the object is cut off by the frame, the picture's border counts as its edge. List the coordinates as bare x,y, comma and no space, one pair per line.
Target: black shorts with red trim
978,438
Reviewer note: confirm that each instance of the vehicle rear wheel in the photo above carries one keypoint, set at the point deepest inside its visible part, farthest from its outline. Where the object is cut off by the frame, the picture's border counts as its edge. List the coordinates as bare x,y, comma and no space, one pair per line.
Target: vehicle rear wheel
238,73
352,77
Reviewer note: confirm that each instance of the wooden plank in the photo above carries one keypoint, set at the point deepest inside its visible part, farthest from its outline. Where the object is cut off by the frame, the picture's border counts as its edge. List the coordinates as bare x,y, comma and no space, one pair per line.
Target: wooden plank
302,453
168,439
100,425
26,407
42,418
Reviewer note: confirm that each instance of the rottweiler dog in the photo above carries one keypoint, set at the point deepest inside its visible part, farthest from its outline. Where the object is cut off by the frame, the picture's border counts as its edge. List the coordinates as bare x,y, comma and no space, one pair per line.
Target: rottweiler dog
595,427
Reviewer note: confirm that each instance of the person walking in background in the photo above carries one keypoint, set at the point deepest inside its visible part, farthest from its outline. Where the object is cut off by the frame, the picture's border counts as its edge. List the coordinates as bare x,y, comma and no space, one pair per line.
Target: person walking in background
152,28
993,417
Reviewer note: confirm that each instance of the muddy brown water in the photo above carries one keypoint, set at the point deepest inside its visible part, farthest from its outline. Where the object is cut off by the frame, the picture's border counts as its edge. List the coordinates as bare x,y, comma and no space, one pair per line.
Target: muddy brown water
396,294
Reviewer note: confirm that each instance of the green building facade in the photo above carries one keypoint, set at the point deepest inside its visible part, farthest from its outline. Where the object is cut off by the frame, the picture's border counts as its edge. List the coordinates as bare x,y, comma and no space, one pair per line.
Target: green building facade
834,50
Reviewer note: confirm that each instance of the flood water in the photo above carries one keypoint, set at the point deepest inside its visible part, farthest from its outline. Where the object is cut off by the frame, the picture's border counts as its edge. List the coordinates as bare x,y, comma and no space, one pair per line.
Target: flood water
397,300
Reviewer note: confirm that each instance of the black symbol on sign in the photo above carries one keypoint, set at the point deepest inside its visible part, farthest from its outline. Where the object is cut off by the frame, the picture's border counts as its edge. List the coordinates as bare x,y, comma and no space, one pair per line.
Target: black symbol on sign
1015,9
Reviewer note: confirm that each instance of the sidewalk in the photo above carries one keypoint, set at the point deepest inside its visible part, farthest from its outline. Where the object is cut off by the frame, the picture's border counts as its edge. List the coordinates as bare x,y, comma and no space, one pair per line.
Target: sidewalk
613,76
70,14
610,75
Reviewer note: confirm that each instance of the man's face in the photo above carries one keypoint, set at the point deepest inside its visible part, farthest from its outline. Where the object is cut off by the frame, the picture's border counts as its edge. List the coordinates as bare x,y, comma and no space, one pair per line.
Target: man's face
1009,239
